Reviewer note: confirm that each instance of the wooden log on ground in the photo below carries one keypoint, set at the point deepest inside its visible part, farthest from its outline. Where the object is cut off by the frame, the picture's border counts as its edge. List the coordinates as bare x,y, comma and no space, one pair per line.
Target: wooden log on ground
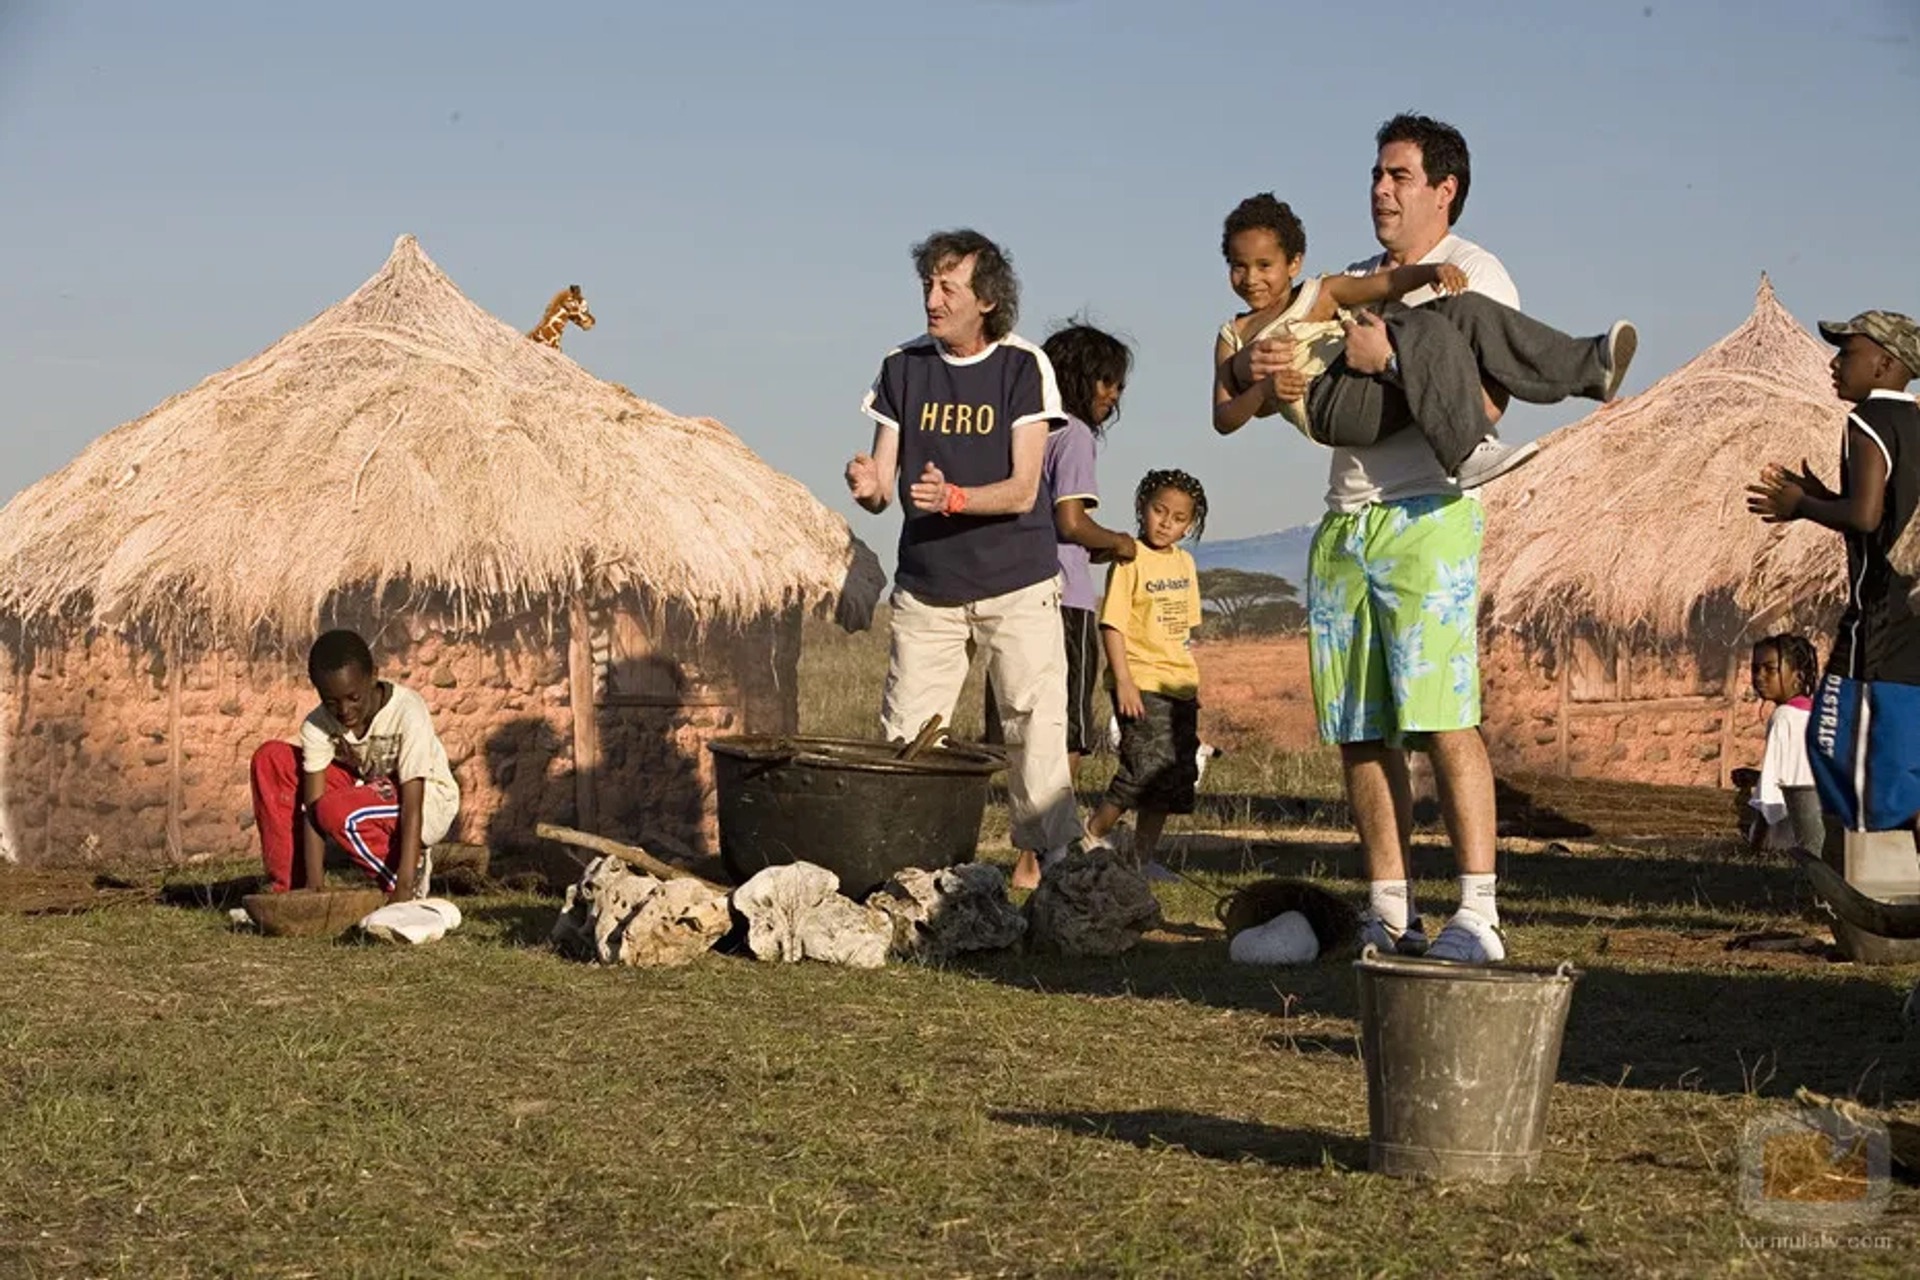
633,855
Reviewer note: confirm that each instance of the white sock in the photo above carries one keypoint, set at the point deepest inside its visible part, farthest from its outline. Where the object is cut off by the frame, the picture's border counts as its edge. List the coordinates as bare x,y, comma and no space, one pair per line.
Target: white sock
1391,902
1476,895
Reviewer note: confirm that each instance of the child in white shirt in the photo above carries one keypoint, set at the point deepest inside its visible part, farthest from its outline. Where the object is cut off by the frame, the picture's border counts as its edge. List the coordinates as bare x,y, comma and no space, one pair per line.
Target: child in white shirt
1785,671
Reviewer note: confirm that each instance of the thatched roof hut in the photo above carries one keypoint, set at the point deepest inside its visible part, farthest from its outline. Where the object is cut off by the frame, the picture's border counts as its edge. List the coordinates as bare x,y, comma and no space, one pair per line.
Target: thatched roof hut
1623,577
511,531
405,435
1634,519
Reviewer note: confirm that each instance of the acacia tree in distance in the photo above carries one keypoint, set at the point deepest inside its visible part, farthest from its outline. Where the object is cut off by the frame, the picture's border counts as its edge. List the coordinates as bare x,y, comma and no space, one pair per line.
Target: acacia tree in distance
1243,602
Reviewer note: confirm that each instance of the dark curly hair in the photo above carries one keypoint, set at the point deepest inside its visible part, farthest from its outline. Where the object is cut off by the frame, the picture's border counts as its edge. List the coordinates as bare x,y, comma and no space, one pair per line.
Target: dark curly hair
1082,357
1260,212
1796,655
994,282
1154,481
1443,153
338,651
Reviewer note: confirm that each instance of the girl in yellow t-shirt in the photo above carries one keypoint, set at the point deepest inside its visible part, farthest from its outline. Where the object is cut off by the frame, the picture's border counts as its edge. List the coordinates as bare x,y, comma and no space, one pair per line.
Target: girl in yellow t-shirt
1146,626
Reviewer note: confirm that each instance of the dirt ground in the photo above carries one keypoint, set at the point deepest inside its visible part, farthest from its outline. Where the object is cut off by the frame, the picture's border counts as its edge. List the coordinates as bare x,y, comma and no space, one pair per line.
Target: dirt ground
1257,691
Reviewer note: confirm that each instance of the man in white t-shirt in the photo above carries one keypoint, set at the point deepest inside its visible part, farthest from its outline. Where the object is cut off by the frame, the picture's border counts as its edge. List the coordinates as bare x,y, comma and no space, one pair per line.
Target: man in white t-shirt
1393,575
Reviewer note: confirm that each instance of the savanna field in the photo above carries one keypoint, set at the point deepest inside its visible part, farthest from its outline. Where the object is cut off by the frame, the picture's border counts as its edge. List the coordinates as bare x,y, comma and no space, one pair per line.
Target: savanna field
186,1099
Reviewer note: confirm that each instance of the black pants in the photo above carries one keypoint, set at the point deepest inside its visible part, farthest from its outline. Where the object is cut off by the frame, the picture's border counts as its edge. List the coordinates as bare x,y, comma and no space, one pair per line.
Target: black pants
1445,350
1159,760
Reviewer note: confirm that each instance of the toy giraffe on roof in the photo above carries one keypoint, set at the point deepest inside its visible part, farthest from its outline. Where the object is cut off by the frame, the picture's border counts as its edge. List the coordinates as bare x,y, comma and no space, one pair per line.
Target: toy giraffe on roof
566,305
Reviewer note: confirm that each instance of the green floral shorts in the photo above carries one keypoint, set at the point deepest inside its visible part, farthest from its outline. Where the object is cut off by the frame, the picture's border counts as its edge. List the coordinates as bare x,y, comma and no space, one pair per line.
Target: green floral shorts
1393,597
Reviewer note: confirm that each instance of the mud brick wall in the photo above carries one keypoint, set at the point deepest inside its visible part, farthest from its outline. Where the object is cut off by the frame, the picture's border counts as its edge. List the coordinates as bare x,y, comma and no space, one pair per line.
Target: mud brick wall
91,770
1667,731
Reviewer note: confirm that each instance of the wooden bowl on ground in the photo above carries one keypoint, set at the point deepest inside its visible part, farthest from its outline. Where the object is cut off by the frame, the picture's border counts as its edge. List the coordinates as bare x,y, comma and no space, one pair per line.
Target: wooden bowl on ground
324,913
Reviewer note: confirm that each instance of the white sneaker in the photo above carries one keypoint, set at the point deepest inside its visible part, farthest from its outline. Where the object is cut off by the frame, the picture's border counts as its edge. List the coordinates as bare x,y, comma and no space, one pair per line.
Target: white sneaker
1490,459
1468,939
1622,341
1376,933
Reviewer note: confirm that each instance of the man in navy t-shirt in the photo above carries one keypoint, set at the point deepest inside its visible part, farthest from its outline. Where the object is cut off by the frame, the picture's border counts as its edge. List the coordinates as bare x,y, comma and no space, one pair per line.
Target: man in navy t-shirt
961,420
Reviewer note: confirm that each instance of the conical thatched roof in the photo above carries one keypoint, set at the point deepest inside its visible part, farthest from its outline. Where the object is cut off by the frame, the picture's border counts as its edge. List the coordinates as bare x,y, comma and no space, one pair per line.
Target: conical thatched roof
1634,519
405,436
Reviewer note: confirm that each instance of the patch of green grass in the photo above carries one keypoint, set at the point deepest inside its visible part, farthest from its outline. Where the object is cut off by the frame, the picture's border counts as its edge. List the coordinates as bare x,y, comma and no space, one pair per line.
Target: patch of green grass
183,1099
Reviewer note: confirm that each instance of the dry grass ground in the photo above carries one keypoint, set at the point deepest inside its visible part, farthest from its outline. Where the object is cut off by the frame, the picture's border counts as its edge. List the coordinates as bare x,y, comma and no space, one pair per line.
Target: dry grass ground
180,1099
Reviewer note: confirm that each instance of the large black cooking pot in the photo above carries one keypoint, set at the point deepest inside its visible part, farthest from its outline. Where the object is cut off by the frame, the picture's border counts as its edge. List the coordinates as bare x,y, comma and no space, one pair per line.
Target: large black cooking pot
849,805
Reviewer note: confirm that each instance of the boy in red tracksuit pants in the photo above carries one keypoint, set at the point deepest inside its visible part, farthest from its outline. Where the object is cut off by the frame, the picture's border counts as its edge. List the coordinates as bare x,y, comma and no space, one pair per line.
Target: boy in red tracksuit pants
368,773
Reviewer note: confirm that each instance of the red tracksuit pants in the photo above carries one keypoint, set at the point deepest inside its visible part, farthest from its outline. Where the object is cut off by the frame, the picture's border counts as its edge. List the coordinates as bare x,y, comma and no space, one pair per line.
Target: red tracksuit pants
358,815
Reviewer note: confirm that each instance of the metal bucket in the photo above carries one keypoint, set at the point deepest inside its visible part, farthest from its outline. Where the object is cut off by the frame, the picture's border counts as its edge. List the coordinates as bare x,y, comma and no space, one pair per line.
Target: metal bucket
1461,1061
849,805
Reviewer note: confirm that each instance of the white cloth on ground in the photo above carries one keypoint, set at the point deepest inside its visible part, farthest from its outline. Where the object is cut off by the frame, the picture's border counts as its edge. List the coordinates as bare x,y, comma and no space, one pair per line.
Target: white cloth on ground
421,920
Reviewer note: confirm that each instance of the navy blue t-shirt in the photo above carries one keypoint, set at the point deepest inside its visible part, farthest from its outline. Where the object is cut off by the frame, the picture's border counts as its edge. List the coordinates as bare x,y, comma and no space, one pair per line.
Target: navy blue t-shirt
959,414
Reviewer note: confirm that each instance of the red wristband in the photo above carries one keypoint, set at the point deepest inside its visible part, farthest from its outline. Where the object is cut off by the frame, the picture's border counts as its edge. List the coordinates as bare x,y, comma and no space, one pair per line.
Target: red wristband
954,502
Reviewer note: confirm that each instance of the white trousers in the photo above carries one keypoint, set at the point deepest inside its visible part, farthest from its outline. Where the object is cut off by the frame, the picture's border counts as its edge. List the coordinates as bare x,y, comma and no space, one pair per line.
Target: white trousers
932,647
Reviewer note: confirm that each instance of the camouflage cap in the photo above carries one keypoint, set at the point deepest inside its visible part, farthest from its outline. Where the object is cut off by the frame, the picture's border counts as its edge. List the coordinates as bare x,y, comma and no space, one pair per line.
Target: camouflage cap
1899,335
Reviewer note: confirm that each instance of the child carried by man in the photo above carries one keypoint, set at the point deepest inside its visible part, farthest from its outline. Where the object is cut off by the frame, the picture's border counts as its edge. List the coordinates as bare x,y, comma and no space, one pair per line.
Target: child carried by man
1444,353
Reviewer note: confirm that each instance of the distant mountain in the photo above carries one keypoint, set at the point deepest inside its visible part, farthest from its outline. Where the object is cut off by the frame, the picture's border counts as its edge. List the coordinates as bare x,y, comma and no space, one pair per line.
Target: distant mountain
1284,553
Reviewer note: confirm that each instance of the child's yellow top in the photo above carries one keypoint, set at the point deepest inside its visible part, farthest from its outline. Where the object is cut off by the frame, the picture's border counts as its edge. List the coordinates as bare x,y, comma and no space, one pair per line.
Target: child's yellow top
1154,601
1317,344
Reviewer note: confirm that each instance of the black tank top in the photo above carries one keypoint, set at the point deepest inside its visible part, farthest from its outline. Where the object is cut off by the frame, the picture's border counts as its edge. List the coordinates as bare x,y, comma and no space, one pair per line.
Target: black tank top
1879,636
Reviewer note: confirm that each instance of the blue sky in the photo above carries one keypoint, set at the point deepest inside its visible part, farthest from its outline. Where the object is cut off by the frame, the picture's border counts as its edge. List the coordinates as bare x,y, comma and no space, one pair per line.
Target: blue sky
735,185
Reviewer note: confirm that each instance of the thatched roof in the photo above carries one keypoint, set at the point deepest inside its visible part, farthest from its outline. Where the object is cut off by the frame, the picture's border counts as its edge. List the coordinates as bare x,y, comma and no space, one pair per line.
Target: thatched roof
1634,519
406,437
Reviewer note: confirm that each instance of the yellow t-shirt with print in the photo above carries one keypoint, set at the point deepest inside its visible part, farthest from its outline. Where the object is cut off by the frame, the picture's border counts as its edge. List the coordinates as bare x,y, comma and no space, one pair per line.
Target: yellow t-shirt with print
1155,603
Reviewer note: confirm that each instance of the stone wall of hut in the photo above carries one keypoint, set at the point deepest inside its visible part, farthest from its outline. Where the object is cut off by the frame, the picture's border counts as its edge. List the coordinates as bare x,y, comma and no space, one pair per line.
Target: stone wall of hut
108,752
1585,708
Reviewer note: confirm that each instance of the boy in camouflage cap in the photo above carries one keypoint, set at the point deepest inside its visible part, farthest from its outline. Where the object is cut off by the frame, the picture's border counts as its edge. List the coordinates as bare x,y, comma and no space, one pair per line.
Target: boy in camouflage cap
1864,735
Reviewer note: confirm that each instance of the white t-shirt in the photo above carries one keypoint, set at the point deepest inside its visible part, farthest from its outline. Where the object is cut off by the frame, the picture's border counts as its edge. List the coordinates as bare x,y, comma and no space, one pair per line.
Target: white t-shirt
399,744
1403,465
1785,765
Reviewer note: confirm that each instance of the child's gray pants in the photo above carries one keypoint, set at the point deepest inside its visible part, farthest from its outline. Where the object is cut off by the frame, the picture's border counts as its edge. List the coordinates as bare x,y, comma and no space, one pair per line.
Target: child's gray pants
1443,350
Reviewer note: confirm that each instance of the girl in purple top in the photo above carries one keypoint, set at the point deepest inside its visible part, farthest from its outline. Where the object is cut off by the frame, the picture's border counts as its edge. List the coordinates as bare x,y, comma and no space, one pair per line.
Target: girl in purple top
1090,368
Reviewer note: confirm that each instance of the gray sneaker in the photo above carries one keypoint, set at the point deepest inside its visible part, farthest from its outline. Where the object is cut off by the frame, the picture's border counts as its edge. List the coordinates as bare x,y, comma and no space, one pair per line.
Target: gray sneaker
1469,938
1411,941
1622,341
1490,459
